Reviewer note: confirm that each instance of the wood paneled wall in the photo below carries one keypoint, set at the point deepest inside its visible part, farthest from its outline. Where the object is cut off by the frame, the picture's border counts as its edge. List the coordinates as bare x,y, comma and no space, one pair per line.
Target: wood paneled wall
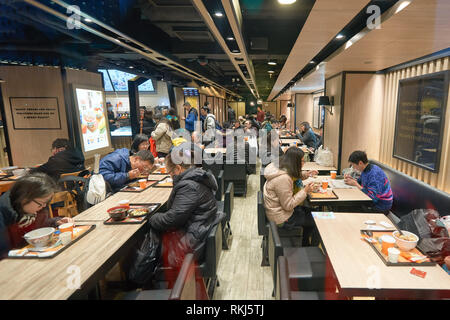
304,108
31,147
331,130
362,115
439,180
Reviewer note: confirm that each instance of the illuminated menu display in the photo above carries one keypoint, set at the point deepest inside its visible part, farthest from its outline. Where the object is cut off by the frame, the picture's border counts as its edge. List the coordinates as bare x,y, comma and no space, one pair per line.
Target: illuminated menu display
190,92
92,118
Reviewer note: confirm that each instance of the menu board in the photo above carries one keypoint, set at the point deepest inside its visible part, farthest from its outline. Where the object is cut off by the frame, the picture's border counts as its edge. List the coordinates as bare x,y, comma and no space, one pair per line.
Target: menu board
190,92
422,103
147,86
106,81
91,112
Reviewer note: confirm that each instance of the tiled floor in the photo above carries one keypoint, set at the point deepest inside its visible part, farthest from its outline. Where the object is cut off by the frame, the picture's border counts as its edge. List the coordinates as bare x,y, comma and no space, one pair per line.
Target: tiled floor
240,274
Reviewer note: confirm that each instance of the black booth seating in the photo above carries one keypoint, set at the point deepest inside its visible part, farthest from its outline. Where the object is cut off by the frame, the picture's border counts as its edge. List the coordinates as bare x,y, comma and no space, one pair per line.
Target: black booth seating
410,194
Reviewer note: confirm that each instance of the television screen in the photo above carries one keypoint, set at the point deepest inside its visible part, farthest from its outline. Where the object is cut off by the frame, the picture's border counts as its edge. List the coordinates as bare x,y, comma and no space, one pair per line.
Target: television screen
92,119
147,86
190,92
106,80
120,79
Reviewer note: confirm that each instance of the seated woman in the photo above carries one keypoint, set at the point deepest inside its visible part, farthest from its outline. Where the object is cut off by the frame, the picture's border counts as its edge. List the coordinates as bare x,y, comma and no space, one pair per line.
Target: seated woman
191,213
307,135
162,135
140,142
284,193
25,208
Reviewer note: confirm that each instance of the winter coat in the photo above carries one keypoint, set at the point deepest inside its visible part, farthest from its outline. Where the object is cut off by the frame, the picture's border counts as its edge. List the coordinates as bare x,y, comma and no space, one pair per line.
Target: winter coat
191,119
309,138
163,137
114,168
70,160
209,124
192,209
11,234
279,198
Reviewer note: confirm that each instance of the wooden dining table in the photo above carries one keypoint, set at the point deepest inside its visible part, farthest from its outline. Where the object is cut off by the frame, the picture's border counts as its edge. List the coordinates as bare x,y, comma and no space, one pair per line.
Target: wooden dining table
312,165
361,272
290,141
76,271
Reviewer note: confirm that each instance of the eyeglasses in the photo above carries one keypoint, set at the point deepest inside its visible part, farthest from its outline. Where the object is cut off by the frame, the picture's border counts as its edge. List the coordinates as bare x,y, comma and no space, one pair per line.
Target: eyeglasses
42,205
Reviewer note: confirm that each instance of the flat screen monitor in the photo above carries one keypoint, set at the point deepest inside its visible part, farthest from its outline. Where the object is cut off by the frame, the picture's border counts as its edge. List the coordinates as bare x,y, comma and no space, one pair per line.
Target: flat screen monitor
92,120
189,92
117,81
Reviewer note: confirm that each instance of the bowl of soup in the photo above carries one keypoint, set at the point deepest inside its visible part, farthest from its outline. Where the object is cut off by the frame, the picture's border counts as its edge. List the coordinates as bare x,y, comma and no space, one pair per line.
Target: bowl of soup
406,241
39,238
118,213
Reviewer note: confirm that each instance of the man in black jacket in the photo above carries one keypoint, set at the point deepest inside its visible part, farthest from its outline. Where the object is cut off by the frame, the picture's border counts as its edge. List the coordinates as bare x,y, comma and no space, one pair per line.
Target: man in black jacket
64,159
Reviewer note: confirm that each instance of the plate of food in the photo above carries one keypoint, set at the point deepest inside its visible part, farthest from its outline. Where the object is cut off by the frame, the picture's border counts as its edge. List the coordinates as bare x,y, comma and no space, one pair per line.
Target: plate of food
136,186
137,213
165,183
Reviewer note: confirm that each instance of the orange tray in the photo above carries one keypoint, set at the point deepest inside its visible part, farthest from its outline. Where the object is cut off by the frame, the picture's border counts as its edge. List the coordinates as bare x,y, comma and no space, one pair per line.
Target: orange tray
322,196
130,188
80,231
402,261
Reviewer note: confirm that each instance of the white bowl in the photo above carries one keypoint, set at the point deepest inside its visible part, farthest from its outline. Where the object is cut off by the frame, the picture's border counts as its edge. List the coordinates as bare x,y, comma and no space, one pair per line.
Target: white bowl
19,172
39,238
405,245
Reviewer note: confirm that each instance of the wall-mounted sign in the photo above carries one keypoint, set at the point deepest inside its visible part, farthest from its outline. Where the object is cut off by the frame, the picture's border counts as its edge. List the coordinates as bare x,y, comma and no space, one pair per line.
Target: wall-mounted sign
92,123
35,113
419,126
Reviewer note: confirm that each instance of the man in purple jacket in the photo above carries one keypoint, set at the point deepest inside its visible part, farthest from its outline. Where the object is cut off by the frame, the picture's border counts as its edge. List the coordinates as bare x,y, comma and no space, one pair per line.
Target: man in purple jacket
373,181
118,167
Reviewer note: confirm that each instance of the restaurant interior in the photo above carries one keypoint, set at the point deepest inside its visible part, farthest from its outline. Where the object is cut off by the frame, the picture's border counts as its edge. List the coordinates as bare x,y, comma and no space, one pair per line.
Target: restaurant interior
367,79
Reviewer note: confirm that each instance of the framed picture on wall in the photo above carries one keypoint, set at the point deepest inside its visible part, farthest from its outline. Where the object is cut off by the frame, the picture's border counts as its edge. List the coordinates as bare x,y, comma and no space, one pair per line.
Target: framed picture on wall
420,119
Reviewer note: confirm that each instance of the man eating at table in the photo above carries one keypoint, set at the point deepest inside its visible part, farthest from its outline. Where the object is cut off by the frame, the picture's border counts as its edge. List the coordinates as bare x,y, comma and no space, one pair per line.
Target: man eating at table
373,181
64,159
118,167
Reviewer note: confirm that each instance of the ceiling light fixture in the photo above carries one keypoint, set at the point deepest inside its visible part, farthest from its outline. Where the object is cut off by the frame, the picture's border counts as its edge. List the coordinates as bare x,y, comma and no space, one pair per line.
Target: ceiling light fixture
286,1
88,20
312,62
230,38
340,36
218,14
271,71
272,63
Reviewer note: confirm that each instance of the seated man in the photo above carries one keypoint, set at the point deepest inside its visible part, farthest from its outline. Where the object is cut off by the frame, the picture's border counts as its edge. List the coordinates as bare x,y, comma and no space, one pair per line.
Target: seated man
118,167
373,181
64,159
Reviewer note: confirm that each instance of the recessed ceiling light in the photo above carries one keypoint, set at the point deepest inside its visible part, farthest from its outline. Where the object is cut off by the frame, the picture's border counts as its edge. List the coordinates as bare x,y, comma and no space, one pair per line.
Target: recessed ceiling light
88,20
403,5
272,63
340,36
131,67
286,1
218,14
230,38
235,51
311,62
271,71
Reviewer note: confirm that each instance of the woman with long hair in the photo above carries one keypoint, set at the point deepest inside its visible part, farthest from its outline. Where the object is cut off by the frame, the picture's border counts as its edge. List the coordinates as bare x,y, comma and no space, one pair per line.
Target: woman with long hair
284,194
24,208
307,135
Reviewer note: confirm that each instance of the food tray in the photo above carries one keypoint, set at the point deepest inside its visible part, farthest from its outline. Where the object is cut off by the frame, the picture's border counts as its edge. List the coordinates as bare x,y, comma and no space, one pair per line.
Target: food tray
152,207
163,184
157,177
80,230
130,188
402,262
322,196
5,176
